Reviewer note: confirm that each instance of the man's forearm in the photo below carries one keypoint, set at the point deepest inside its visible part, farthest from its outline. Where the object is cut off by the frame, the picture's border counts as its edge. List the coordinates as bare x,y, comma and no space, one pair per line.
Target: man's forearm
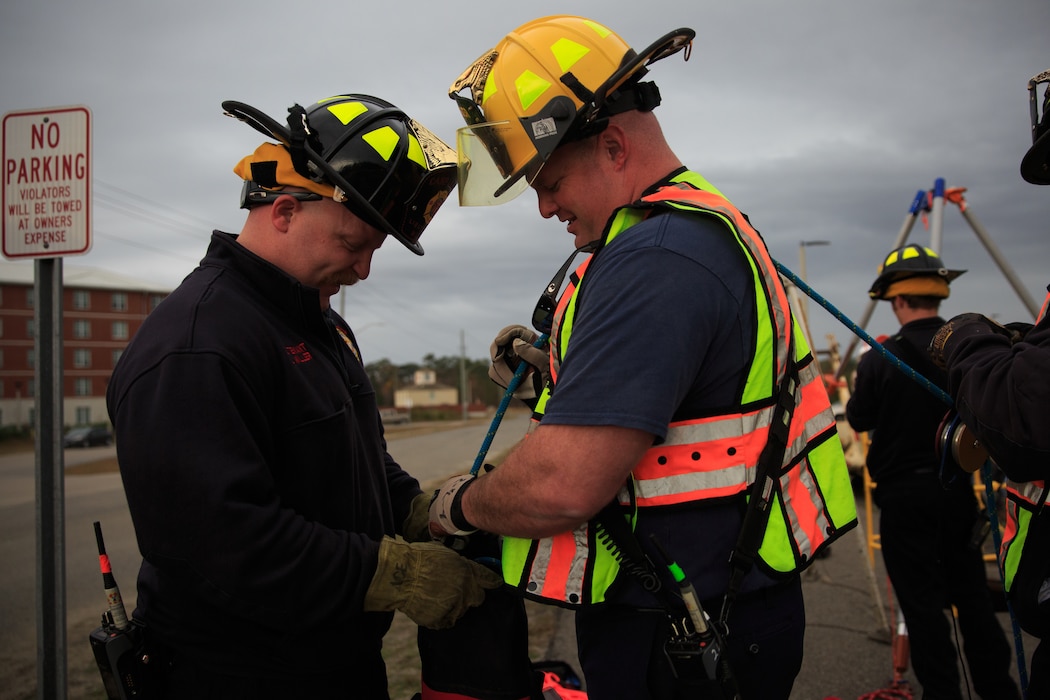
504,503
555,480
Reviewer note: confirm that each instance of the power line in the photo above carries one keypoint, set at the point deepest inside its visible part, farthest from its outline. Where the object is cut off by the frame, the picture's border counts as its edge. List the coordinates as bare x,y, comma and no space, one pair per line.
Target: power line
152,206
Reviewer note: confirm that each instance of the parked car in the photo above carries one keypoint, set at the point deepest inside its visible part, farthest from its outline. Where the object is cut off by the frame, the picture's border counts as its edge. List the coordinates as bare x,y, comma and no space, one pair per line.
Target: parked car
87,437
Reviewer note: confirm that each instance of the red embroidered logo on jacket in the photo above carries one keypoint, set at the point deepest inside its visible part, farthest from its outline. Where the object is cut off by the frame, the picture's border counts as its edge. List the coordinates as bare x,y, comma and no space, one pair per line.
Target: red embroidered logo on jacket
298,353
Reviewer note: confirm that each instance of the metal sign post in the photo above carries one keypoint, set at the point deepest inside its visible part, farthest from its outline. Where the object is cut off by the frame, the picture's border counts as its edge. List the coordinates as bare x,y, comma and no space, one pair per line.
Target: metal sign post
46,204
50,484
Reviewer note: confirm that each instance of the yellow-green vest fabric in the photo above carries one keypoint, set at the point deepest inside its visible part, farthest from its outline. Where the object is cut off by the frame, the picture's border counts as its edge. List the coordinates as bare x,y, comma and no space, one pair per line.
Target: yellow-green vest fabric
814,501
1024,501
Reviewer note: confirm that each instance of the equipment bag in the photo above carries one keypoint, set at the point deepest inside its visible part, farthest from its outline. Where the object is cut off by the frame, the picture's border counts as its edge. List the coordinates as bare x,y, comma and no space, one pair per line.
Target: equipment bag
485,655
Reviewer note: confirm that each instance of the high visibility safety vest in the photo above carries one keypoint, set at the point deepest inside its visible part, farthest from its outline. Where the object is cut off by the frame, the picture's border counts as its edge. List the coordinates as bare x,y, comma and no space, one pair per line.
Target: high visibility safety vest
1023,502
710,457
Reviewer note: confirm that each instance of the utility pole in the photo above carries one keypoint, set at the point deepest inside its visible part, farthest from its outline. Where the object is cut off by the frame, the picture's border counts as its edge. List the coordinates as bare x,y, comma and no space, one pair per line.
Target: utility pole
802,245
463,371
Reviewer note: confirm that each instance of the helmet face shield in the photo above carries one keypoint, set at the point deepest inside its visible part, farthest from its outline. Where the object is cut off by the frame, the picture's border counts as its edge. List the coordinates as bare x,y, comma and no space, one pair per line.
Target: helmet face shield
505,155
486,173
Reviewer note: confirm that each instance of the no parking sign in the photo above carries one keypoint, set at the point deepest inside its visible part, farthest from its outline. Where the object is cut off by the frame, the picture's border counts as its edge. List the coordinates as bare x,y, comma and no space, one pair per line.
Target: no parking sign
47,182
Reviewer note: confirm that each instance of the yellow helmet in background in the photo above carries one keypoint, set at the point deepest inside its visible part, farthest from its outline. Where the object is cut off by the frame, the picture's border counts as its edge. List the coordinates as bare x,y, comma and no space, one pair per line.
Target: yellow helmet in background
550,81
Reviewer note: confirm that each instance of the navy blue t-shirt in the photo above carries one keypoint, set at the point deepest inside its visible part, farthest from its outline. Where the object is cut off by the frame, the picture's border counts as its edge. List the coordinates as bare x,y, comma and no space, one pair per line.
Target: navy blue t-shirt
664,329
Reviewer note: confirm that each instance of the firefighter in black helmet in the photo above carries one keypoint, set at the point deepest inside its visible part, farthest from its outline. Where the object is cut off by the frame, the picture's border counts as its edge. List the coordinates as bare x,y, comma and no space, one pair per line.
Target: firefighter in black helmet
927,517
265,504
913,270
364,152
998,379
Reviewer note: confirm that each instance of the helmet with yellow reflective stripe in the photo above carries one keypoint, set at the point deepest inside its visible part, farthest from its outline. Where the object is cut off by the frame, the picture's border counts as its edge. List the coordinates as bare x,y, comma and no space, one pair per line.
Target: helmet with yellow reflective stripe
550,81
385,167
912,270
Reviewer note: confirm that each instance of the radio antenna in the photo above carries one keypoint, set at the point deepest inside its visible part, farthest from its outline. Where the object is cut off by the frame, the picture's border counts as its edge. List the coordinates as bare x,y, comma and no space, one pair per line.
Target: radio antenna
116,604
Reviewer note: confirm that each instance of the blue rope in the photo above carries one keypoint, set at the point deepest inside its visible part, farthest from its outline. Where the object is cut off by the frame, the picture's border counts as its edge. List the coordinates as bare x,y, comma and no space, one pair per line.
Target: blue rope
986,468
512,386
863,335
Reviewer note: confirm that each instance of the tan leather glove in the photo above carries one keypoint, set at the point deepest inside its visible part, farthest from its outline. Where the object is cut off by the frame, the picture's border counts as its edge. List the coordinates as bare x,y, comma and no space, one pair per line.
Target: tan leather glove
428,582
512,346
416,527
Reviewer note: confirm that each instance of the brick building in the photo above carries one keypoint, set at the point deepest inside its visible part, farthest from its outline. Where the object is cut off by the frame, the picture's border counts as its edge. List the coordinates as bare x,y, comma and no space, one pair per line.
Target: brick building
101,311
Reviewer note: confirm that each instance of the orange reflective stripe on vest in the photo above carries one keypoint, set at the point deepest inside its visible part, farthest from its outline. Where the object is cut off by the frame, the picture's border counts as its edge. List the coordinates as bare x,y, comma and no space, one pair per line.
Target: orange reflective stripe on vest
1023,501
710,457
716,457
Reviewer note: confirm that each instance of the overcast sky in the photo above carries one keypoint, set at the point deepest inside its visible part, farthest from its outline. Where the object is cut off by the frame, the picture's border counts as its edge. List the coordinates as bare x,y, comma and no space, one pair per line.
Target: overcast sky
820,119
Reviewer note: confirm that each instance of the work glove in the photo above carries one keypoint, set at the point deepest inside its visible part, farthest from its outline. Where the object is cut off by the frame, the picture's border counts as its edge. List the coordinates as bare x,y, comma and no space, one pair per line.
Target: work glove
446,512
416,527
970,325
431,584
512,346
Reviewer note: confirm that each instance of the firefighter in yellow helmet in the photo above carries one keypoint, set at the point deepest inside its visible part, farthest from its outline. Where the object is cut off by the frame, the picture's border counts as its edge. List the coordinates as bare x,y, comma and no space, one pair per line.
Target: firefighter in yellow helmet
677,388
998,379
928,514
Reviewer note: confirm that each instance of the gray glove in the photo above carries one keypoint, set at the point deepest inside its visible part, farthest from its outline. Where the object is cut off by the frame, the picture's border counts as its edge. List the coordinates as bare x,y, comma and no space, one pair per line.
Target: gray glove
446,516
512,346
428,582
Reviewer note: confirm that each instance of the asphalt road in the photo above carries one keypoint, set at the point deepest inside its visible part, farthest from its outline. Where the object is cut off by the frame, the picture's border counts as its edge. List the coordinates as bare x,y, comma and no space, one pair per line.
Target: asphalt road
849,612
428,455
847,653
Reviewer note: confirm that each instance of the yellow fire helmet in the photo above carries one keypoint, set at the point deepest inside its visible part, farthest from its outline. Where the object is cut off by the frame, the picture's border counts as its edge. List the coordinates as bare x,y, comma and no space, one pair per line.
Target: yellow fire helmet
550,81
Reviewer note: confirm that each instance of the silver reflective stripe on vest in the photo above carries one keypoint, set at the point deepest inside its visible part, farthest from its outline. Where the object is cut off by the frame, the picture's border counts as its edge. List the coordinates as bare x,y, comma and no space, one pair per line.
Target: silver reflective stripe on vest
1034,493
652,489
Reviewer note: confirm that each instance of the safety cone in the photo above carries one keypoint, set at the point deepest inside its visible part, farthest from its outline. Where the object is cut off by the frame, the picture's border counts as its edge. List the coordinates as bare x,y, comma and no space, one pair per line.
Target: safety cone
899,688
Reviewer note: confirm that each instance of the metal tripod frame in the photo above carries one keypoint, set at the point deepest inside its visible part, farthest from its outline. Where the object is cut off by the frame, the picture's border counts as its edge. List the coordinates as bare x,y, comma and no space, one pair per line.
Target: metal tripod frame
933,202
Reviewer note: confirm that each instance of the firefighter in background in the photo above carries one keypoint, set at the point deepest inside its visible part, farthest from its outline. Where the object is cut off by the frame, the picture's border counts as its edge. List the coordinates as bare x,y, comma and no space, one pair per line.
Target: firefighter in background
927,518
682,352
999,379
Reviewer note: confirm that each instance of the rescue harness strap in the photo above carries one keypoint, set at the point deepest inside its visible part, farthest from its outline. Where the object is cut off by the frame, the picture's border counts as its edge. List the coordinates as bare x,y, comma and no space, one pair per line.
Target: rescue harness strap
760,499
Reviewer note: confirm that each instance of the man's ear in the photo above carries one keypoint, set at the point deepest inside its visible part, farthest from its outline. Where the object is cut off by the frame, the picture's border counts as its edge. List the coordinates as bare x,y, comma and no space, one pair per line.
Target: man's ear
613,144
281,212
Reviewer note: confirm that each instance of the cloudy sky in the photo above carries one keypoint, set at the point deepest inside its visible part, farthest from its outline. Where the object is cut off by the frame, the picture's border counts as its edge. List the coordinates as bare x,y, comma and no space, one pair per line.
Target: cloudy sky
821,119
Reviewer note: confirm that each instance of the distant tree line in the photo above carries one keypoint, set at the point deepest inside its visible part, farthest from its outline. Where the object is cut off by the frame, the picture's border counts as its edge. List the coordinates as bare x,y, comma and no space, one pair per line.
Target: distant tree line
387,378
